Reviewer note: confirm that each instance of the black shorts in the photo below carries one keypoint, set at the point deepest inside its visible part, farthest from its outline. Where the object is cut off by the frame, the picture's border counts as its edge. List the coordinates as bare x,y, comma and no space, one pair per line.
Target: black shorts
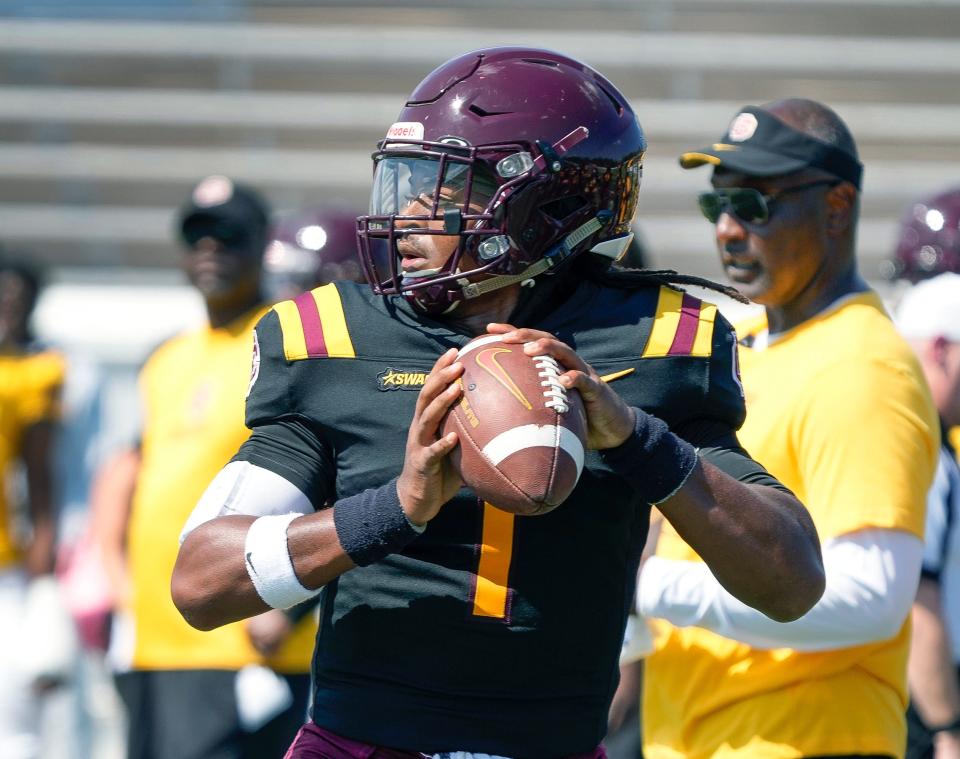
192,714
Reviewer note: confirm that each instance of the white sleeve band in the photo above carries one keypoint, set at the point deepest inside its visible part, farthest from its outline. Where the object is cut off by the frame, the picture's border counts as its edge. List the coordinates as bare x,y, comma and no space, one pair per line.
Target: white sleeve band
269,564
245,488
871,581
637,640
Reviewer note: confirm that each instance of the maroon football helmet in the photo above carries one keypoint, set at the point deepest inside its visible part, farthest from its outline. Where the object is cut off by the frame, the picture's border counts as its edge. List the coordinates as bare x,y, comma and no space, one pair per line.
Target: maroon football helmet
530,157
929,241
310,248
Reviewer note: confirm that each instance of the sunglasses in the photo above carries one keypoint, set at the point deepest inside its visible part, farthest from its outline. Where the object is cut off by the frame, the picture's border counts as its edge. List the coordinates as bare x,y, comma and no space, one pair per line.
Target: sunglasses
746,203
232,237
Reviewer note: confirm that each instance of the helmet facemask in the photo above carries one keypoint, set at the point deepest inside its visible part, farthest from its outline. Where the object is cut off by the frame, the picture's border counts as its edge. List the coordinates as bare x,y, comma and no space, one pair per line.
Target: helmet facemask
461,196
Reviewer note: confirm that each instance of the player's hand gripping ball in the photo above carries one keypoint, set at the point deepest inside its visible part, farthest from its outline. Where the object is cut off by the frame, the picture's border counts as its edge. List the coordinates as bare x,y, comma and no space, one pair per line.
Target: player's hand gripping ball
522,434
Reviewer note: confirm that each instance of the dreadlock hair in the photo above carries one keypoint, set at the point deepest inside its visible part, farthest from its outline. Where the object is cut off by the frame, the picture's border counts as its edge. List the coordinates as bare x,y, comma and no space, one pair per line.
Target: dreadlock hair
617,277
629,279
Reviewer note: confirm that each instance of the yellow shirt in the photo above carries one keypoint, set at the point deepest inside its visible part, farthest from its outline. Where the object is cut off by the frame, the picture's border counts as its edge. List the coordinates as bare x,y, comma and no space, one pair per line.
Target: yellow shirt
838,410
30,389
193,389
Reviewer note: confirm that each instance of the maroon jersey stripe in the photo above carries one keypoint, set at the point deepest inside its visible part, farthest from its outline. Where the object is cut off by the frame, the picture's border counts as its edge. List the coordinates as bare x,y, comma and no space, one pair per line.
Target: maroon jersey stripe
312,326
687,328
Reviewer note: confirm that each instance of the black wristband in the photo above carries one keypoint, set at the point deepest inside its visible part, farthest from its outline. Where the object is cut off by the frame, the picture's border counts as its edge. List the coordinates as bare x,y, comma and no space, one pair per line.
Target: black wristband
655,461
371,524
948,727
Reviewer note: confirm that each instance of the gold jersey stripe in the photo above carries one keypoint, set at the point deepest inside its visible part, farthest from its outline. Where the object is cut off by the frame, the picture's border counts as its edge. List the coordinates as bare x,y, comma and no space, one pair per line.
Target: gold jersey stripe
294,342
616,375
335,332
490,597
703,343
665,323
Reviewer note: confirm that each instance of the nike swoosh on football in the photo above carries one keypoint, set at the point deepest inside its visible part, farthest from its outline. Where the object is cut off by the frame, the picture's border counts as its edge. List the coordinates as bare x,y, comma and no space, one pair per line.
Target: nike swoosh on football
617,375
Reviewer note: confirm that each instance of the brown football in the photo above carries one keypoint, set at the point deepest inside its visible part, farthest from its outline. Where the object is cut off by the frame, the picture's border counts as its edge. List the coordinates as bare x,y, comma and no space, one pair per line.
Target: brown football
522,434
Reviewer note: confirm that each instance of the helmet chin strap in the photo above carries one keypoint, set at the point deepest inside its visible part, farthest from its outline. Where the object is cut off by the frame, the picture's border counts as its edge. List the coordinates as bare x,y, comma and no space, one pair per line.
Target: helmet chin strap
612,249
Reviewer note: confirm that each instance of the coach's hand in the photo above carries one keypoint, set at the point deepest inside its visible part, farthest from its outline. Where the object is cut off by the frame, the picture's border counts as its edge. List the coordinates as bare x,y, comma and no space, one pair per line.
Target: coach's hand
609,419
429,479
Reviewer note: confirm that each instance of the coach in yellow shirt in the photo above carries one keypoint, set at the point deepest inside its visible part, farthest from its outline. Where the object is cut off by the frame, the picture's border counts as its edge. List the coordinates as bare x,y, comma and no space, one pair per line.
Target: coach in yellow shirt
838,411
193,694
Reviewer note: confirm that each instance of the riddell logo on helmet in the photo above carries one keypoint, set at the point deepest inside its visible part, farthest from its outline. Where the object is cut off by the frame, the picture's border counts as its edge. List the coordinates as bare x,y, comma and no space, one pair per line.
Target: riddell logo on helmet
410,130
392,379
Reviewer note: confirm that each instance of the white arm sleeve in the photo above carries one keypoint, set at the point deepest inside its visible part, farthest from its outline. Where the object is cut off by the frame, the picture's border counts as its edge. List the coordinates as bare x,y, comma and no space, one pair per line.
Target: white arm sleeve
245,488
871,576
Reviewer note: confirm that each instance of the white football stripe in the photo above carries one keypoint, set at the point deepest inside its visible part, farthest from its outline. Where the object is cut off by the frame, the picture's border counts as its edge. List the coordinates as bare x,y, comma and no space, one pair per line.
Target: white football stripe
534,436
479,343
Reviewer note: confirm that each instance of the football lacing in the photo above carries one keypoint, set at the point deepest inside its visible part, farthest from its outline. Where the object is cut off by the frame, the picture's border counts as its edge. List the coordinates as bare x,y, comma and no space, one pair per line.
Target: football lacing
555,393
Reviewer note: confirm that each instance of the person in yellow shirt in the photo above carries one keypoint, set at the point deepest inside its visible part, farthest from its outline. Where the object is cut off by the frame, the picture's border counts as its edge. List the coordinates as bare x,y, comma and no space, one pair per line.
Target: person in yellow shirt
35,650
239,691
837,410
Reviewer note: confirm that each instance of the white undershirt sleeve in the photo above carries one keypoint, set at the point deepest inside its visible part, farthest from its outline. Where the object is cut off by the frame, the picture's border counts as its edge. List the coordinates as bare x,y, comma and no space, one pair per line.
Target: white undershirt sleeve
871,581
245,488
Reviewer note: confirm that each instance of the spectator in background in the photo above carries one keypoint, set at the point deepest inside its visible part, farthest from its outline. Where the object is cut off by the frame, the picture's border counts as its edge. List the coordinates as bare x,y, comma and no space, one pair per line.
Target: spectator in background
36,650
839,412
308,249
929,316
194,695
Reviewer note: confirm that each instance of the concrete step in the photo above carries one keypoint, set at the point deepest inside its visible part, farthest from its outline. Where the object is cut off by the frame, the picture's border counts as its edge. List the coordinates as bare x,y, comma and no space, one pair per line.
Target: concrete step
383,45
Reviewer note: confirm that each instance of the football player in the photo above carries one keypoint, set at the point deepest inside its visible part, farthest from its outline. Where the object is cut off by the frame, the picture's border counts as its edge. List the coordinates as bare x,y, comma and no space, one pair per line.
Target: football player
929,242
501,194
309,248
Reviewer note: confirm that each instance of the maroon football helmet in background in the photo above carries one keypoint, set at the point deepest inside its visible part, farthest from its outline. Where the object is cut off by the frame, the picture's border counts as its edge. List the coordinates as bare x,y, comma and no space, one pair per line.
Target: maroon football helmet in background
310,248
529,156
929,241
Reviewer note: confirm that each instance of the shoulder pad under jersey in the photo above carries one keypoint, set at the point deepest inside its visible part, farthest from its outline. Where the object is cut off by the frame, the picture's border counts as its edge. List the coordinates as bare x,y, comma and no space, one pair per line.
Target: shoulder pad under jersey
685,326
311,326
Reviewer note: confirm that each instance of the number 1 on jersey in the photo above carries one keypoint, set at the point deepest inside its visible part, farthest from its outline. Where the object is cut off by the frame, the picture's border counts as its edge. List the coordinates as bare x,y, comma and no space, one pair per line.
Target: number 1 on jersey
491,590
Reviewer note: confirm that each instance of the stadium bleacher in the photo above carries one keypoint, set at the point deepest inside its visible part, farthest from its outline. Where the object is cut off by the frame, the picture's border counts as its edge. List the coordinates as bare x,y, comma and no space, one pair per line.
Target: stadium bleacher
104,121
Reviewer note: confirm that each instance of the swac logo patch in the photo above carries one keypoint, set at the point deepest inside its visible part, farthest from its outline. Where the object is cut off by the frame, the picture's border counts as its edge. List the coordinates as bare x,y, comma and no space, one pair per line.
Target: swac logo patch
395,379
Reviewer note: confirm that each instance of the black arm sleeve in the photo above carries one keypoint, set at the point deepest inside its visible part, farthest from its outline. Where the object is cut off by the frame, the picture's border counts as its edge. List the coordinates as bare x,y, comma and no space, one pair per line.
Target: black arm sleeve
289,447
718,445
713,432
283,440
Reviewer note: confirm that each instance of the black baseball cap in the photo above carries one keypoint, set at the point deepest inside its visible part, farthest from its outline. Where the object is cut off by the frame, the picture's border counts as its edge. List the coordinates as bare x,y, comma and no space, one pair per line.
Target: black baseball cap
761,145
221,208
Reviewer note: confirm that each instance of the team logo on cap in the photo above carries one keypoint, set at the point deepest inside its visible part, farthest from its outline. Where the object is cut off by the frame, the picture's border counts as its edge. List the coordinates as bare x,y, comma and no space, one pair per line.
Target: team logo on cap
742,127
213,191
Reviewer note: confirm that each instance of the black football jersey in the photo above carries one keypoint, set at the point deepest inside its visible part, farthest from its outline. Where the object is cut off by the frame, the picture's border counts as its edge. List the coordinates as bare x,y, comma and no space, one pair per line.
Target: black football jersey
490,632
